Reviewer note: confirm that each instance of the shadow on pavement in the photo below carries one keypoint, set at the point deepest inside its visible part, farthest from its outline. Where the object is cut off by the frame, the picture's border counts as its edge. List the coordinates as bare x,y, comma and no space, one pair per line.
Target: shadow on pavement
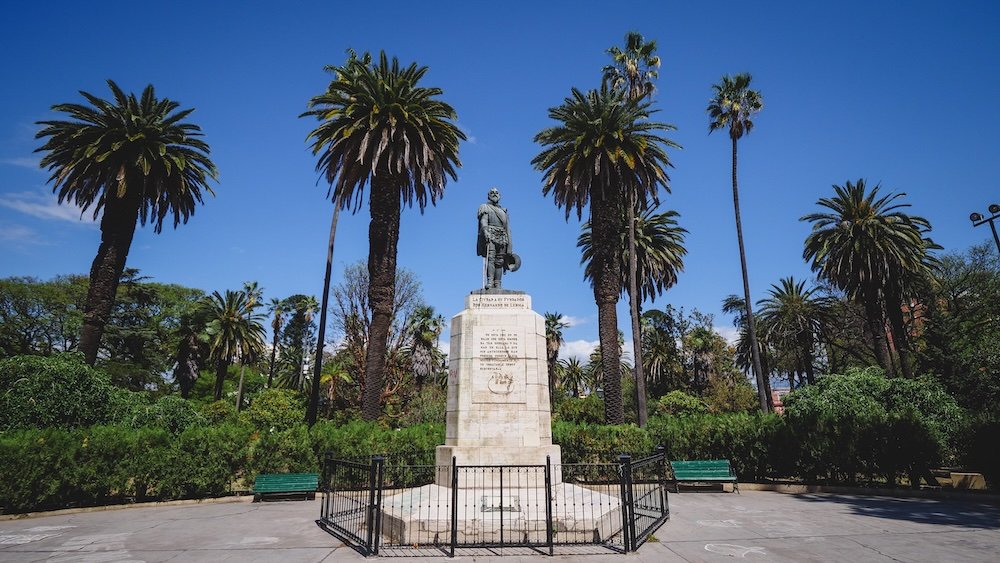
925,511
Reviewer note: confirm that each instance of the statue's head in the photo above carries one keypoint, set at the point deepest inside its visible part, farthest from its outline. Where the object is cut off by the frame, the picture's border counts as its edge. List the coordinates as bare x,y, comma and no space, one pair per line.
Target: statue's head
493,195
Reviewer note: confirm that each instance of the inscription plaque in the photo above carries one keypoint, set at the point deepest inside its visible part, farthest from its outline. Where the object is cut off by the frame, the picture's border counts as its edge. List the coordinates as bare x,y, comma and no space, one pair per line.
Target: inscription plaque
498,366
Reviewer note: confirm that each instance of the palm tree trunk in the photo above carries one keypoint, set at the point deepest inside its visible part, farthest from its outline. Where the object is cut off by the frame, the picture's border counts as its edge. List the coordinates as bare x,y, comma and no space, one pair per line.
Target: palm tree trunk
321,334
117,230
605,211
221,371
876,326
383,235
274,351
633,298
763,387
894,310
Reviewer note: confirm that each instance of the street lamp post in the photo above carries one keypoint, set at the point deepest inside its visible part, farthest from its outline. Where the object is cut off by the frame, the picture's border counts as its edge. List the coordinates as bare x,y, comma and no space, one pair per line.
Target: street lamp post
977,219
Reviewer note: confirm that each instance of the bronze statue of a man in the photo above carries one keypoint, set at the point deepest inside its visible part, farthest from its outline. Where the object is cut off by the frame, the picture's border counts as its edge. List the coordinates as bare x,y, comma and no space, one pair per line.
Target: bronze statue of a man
493,242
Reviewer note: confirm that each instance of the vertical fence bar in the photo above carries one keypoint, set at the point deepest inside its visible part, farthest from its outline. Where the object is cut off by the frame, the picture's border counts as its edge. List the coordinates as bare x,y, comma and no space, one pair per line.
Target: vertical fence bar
454,505
501,504
662,480
548,503
379,462
628,522
370,513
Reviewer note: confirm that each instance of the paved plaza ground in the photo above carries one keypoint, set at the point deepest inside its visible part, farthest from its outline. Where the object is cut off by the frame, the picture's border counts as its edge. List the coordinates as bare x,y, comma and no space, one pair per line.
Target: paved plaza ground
756,525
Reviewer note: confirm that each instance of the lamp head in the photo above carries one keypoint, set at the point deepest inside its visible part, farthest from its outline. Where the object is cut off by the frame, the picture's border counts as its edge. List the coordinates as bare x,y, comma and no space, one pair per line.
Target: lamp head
975,217
995,208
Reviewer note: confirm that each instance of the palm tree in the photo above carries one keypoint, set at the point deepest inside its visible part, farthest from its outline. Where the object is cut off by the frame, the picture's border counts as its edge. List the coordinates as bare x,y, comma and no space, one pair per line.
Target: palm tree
191,346
554,324
377,125
235,331
659,251
792,318
604,146
733,107
277,308
633,72
572,375
867,246
134,159
425,327
320,143
254,295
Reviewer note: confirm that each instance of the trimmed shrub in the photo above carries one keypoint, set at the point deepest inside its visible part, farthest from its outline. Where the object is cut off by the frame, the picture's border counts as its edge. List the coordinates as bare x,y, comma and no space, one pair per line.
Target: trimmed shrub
284,451
275,410
741,438
679,403
54,391
599,443
588,410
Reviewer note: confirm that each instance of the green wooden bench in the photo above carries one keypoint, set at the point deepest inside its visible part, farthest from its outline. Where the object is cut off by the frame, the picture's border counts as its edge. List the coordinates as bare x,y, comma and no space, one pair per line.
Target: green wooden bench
278,485
704,471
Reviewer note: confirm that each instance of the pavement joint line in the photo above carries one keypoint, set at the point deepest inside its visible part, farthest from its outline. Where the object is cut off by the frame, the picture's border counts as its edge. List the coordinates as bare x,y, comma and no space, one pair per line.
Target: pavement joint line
872,548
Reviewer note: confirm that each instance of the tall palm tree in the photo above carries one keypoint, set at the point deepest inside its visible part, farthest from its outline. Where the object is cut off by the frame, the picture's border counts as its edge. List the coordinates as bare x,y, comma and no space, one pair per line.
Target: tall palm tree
320,144
135,159
633,71
733,107
554,325
277,308
792,318
235,331
604,146
867,246
378,126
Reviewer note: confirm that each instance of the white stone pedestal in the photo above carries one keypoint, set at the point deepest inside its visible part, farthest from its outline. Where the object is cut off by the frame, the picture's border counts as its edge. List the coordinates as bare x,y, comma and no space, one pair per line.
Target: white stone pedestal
498,390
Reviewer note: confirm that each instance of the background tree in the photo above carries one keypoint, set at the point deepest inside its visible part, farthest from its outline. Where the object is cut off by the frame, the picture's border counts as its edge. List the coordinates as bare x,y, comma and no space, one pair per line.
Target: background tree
860,243
235,332
425,329
792,319
297,341
603,146
554,325
732,107
134,159
255,297
379,126
277,308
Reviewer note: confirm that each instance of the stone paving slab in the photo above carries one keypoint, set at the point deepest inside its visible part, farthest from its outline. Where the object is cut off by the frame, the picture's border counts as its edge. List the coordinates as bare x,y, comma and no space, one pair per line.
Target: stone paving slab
704,527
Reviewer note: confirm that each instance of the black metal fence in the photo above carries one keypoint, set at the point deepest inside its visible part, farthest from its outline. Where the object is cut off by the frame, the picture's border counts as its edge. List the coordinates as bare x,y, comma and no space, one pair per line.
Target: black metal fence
384,507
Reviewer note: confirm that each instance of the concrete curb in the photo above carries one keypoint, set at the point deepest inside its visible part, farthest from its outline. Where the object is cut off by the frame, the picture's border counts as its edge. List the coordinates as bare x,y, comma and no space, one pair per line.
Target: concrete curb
795,489
85,509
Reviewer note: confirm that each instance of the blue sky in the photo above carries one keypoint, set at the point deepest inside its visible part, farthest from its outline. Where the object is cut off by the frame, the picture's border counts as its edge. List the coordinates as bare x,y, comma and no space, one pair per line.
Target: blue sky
895,92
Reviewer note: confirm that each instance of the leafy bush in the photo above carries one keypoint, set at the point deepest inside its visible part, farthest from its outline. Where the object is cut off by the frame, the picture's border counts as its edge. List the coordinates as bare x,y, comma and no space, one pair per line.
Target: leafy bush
427,406
54,391
679,403
219,412
275,410
170,412
359,440
588,410
201,461
741,438
863,424
599,443
282,451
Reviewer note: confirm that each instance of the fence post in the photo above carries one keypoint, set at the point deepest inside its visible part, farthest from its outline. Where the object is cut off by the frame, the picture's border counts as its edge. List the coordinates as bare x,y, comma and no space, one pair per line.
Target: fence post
628,522
370,513
548,503
454,505
379,462
664,497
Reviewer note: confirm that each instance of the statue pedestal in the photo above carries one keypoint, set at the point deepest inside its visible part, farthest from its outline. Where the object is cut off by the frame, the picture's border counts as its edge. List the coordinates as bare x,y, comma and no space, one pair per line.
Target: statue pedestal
498,390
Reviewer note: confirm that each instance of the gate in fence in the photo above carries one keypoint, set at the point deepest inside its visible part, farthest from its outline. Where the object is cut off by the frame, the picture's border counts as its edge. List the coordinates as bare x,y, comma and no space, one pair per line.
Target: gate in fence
384,507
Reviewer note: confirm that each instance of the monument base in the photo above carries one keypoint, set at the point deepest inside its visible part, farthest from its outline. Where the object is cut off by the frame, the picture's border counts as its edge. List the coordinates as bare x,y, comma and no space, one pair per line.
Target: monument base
497,458
422,516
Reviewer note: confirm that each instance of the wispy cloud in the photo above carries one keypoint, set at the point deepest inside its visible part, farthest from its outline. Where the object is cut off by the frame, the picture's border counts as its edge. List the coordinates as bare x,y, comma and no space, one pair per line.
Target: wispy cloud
469,137
21,162
731,334
572,321
20,235
579,349
45,206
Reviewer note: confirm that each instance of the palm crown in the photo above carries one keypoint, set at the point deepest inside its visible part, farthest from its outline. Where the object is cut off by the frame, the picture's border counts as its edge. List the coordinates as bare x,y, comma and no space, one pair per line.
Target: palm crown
733,105
603,142
376,121
865,237
634,68
131,148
